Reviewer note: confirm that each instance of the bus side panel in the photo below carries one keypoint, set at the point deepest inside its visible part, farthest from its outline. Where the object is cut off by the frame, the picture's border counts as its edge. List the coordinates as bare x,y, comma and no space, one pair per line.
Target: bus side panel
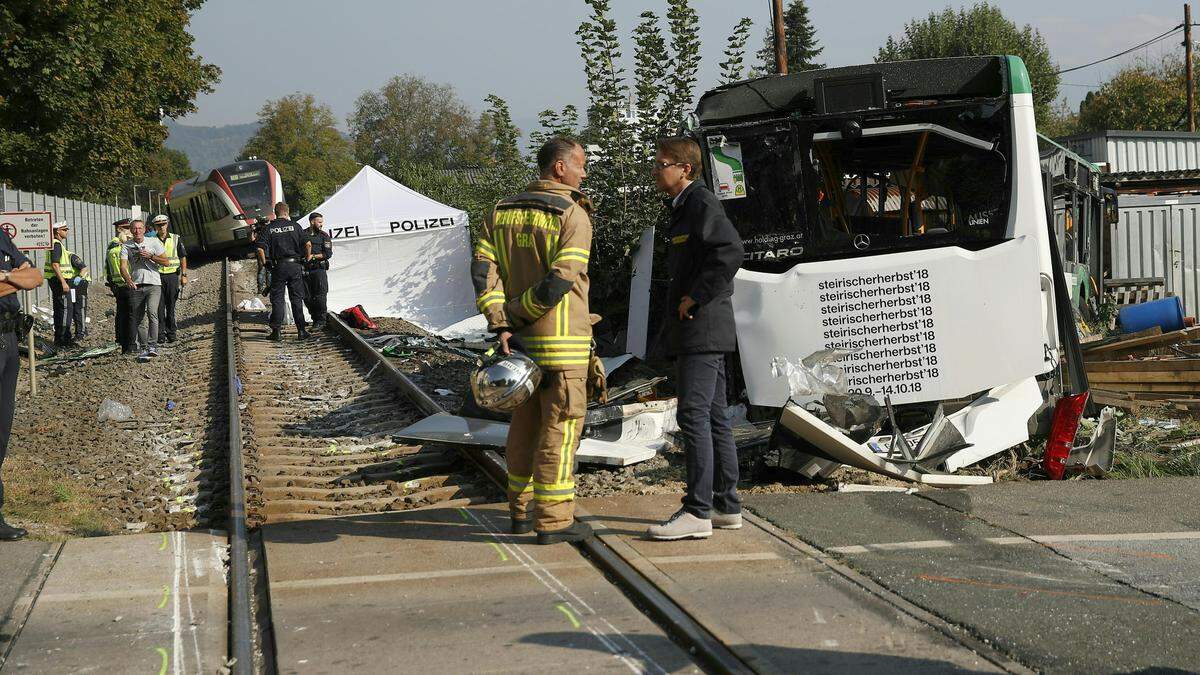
1027,213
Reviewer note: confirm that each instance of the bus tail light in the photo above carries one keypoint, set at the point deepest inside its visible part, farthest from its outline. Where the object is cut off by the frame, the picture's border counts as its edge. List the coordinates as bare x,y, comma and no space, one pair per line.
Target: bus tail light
1063,427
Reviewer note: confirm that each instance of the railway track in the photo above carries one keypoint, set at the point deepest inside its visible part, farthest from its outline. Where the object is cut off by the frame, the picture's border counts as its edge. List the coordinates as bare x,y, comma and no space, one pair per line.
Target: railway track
311,427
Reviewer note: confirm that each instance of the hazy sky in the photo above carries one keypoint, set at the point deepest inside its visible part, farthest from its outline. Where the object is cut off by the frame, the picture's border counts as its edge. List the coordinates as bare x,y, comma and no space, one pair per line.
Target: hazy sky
525,51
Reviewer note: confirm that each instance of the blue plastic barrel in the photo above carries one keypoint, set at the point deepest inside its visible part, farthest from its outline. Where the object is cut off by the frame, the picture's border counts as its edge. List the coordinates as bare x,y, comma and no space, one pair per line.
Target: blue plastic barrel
1166,313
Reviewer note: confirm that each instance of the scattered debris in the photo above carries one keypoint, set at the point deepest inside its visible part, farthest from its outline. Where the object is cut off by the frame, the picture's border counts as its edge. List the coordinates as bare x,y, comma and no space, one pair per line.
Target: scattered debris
252,305
112,410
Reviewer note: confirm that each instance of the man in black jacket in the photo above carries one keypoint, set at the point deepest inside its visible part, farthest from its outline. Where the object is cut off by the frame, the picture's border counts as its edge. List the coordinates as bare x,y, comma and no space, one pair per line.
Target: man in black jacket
705,253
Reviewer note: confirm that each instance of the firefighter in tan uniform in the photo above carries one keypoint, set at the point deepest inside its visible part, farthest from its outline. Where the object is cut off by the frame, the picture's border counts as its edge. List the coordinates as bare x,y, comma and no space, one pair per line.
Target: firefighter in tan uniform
530,274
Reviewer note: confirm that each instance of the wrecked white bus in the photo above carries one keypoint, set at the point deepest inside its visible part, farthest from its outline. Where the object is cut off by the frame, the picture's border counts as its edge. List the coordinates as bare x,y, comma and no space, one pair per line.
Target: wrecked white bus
896,209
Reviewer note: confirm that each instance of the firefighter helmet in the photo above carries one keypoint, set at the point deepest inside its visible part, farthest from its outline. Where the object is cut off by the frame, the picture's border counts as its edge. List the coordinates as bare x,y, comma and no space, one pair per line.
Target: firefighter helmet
502,383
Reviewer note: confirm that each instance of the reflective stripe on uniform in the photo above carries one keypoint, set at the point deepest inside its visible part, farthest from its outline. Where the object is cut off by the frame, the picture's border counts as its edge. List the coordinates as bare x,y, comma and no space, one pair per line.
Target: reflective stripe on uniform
532,306
485,249
519,484
573,253
488,299
554,492
565,463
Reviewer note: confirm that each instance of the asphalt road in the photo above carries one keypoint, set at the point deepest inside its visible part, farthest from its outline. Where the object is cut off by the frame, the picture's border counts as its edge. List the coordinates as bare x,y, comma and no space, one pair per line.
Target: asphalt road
1079,576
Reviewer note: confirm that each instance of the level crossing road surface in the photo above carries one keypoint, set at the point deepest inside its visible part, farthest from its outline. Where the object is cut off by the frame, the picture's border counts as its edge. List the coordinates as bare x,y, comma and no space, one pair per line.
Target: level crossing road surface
1081,576
149,603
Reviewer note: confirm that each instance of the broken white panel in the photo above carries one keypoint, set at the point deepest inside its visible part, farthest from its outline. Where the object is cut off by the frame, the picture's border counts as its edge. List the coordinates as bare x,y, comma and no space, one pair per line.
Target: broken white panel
456,430
929,325
839,447
471,329
995,422
638,323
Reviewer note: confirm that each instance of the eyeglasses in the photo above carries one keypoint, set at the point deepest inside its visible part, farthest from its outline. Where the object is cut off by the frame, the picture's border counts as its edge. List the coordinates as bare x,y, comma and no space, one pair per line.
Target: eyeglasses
655,164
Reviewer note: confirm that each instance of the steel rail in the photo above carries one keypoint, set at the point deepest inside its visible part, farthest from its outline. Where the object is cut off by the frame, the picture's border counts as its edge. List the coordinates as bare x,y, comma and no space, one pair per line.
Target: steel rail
241,620
674,619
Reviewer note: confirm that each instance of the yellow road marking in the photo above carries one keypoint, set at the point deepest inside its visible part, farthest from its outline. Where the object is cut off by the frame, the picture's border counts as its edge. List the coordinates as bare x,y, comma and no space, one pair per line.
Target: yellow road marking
562,607
162,670
163,545
463,512
500,551
166,594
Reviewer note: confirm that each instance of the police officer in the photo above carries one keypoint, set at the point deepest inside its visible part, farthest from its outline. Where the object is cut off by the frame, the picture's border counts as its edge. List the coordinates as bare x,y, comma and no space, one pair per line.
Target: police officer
79,295
316,276
116,282
540,296
174,276
16,273
59,273
285,252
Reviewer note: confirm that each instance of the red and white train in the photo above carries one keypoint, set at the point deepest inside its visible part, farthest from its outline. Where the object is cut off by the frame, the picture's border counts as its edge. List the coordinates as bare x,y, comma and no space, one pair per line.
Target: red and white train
202,208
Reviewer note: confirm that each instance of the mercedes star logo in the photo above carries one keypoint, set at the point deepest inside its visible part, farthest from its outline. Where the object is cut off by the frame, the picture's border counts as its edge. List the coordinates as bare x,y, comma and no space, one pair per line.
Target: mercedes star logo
861,242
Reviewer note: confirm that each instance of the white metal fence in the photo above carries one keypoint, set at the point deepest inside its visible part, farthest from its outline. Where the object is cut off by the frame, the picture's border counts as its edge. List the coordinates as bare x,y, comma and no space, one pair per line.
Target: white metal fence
91,228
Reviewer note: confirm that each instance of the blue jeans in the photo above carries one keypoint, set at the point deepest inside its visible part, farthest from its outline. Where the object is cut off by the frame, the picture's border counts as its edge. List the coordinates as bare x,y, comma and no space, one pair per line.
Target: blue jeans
712,463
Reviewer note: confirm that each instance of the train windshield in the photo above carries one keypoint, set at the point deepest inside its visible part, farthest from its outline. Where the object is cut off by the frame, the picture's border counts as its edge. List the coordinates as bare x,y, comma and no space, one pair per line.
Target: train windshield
251,185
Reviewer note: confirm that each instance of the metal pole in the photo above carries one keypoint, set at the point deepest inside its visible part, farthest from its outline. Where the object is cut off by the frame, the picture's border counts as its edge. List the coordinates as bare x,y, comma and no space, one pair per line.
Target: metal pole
1187,50
32,351
781,66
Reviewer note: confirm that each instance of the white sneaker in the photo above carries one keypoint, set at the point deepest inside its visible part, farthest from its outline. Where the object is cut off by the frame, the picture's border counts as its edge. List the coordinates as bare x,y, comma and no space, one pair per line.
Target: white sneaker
682,525
726,521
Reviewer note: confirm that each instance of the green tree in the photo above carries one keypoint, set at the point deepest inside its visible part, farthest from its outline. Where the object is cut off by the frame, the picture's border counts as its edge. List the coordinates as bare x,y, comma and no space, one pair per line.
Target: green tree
735,52
300,137
1144,96
1061,121
685,63
159,170
84,86
563,122
411,119
503,150
979,31
800,38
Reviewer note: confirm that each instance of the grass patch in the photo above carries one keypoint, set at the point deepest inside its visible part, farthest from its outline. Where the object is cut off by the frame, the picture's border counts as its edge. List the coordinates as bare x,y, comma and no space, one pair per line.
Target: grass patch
52,505
1150,446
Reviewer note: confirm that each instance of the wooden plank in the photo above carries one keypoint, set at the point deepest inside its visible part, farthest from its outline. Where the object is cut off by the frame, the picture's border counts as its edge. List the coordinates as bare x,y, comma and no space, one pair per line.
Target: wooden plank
1147,342
1153,330
1142,366
1157,387
1176,376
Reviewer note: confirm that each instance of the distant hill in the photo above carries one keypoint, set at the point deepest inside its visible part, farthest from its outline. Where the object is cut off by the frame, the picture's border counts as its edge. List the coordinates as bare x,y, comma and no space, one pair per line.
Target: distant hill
209,147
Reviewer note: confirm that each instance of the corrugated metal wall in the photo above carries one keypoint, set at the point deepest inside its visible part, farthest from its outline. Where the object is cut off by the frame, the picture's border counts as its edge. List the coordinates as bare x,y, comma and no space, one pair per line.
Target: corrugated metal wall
1138,151
91,228
1160,237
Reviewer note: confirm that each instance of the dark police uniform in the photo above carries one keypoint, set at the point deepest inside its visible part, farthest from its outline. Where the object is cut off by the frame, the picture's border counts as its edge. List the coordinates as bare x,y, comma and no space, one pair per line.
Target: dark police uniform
316,276
11,329
79,304
283,246
705,253
60,299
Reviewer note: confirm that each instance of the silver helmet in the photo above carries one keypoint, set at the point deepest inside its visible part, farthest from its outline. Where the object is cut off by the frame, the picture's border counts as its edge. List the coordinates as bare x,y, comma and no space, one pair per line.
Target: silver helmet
502,383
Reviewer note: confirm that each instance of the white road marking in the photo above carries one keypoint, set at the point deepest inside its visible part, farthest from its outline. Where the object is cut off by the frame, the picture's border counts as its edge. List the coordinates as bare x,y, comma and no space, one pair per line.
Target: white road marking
177,618
538,570
408,576
817,618
1008,541
715,557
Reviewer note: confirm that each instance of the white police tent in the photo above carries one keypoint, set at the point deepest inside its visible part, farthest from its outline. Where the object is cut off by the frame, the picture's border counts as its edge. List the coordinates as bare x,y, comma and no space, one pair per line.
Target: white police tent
399,253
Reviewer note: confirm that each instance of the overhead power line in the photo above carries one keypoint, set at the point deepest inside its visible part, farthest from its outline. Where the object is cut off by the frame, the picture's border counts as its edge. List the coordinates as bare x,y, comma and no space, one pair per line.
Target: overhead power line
1151,41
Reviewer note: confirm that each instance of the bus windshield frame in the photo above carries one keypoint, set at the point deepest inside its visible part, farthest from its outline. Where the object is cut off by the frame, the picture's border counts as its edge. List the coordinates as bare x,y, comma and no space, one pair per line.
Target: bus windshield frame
834,186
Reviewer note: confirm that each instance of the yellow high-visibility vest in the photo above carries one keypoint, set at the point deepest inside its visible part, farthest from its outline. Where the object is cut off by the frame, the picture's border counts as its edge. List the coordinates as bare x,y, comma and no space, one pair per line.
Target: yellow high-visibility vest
64,262
171,245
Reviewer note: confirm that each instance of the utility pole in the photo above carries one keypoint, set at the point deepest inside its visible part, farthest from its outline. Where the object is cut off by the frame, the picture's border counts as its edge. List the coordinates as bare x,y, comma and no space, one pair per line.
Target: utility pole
1187,50
780,39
